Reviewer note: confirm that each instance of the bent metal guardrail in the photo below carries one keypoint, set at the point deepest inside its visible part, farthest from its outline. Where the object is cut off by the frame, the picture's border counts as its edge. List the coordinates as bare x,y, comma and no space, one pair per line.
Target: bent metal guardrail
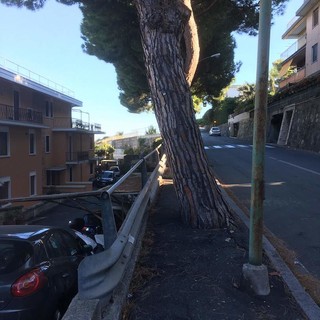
99,274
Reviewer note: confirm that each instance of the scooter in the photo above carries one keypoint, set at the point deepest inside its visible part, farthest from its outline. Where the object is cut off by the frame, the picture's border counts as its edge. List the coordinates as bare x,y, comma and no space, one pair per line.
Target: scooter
90,238
92,225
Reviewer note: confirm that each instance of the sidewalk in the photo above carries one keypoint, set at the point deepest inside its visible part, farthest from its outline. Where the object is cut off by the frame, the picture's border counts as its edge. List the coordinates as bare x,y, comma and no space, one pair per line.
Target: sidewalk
185,273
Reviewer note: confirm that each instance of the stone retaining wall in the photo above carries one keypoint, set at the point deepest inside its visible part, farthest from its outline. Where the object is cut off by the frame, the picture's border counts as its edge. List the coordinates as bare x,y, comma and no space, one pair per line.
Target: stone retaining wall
304,122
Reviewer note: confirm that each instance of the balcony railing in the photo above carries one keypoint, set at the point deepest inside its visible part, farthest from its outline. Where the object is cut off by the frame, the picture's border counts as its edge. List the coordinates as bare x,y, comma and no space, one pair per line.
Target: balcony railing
20,114
79,124
75,123
294,48
294,78
76,157
28,74
292,21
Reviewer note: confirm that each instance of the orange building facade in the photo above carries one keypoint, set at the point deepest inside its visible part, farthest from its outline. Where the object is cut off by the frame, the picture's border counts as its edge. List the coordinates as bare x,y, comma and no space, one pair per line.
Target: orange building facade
302,59
45,144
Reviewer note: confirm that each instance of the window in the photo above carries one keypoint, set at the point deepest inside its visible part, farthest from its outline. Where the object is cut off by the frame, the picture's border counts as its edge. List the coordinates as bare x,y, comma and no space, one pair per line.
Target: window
315,52
49,109
47,144
5,188
33,184
4,142
32,142
91,168
62,244
55,246
315,17
14,254
70,174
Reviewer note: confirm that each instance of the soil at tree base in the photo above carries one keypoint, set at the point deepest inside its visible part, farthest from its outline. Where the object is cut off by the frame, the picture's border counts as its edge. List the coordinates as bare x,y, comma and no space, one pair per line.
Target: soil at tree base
196,274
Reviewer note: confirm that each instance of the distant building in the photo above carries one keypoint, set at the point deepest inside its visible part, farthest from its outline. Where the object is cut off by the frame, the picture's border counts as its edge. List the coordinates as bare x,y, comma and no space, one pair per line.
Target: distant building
45,145
302,58
233,91
121,142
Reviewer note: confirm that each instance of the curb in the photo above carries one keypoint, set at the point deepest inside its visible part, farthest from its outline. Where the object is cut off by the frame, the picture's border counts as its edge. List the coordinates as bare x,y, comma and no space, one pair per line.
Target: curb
303,299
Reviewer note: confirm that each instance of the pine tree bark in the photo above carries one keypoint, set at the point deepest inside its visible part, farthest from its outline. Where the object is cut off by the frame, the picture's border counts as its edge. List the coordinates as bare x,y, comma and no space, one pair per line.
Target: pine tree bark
162,27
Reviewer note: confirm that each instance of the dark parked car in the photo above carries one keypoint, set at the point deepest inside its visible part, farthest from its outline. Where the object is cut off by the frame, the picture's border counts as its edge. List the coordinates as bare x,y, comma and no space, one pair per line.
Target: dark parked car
38,271
103,179
215,131
116,170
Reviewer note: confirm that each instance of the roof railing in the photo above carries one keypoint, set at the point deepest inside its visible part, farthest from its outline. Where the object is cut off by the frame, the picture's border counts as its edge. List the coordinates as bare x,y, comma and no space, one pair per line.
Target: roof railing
28,74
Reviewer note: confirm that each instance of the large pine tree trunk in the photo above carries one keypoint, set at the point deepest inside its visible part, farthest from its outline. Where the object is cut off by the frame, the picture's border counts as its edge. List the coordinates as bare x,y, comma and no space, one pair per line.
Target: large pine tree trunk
162,26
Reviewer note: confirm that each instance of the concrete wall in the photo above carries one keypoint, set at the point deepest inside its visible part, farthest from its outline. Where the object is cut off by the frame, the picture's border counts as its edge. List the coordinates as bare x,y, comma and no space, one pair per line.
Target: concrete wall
294,120
293,117
241,125
245,129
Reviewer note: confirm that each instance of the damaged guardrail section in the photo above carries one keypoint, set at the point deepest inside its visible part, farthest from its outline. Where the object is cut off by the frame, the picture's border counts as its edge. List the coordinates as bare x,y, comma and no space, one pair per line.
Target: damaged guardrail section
100,274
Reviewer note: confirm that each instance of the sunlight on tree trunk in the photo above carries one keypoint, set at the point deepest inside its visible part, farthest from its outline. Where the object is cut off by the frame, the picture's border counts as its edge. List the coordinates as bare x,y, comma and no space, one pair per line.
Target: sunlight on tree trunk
191,40
162,28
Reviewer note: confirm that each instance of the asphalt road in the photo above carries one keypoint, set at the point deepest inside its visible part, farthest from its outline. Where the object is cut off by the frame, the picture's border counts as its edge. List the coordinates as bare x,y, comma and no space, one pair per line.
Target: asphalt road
292,196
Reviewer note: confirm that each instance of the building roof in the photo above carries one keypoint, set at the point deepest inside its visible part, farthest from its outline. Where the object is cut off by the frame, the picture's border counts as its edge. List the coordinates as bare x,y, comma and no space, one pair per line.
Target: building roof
38,83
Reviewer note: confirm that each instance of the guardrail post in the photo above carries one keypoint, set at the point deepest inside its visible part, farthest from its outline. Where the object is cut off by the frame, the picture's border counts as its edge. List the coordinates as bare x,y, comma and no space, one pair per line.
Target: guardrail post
144,173
108,221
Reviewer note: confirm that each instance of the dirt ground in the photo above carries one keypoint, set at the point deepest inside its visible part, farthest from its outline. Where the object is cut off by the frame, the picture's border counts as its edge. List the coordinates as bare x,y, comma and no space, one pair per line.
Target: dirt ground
131,184
185,273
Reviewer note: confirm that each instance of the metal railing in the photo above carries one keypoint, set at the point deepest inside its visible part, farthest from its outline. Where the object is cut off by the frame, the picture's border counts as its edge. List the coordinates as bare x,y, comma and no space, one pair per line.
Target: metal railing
79,124
78,156
20,114
101,273
28,74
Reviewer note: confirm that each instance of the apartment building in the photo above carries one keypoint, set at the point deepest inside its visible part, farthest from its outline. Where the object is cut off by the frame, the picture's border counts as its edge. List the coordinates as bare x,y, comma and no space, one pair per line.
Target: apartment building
46,140
302,58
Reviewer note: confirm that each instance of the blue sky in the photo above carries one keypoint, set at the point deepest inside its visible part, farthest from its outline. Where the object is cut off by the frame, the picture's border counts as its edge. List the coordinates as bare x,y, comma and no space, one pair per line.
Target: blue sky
48,42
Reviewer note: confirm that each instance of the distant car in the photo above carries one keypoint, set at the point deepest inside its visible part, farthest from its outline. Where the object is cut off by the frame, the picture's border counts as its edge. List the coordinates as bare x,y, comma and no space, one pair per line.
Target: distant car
103,179
116,170
215,131
38,271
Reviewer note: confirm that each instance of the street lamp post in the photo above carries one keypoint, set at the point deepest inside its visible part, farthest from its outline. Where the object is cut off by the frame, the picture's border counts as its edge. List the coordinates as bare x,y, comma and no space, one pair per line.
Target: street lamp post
255,272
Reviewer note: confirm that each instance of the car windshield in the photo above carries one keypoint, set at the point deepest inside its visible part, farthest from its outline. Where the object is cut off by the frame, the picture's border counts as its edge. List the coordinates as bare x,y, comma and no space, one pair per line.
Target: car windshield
13,254
215,128
107,174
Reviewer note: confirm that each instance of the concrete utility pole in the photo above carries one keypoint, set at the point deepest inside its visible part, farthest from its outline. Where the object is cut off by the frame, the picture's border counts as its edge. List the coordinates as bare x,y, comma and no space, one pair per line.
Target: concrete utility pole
255,272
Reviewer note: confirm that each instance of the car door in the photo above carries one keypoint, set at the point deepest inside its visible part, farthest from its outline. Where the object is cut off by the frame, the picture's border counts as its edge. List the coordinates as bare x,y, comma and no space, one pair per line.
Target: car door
63,252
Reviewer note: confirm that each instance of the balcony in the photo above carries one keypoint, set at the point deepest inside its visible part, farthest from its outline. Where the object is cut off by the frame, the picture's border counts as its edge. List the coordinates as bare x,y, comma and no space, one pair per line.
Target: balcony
65,124
20,114
294,78
76,157
295,47
79,124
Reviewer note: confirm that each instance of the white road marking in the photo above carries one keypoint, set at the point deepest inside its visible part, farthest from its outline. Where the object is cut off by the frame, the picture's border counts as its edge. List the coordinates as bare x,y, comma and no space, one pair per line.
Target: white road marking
301,168
231,146
296,166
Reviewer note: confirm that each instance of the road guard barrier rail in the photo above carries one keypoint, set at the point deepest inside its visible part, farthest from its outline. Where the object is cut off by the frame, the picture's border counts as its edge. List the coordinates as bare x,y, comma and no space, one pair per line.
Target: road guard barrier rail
100,274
